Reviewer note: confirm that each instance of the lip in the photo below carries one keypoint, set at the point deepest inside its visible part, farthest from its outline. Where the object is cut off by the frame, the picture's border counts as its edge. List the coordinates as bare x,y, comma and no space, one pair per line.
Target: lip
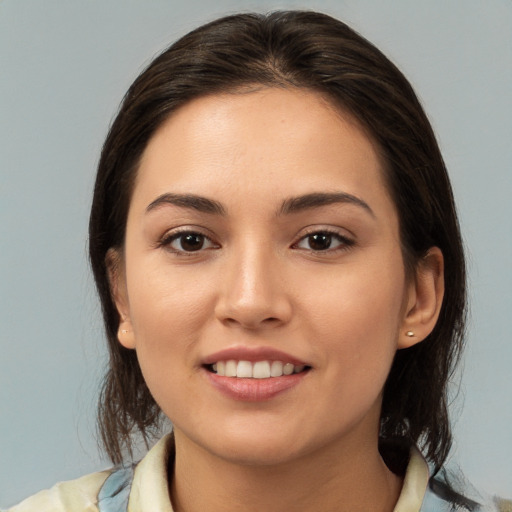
253,390
252,354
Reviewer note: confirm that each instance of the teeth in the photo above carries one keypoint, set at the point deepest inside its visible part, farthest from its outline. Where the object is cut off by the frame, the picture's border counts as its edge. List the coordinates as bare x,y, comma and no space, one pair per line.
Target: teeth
261,370
231,367
288,369
276,369
244,369
257,370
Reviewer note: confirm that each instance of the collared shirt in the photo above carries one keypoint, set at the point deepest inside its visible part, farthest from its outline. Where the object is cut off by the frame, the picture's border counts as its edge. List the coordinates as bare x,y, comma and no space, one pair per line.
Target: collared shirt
143,487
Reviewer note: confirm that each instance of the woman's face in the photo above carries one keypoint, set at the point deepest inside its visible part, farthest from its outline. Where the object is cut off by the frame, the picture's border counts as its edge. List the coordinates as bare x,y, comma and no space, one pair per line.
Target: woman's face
261,230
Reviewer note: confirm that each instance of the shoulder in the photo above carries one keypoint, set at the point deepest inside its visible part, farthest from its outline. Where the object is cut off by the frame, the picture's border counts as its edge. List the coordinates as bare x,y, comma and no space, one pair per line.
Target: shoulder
80,495
456,493
143,484
445,491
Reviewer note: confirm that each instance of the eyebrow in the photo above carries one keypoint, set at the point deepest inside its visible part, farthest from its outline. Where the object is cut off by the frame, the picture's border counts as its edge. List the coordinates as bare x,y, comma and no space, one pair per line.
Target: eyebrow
199,203
317,199
289,206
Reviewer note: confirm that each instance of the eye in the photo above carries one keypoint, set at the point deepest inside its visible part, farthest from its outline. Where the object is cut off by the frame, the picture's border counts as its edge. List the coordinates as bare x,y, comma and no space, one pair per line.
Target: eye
323,241
187,242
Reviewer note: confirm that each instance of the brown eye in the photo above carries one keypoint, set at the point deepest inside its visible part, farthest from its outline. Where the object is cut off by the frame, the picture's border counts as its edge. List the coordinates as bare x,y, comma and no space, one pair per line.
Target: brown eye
189,242
324,241
319,241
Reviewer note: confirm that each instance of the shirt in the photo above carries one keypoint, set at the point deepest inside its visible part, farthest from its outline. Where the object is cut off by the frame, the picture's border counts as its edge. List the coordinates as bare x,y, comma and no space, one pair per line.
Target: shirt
143,487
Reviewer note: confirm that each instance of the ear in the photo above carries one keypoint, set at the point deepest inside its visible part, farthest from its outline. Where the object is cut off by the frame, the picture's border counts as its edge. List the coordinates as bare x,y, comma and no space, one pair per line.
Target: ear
424,300
118,290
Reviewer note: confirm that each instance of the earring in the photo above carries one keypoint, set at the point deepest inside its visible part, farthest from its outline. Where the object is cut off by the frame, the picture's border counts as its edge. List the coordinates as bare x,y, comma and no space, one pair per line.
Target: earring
410,334
124,331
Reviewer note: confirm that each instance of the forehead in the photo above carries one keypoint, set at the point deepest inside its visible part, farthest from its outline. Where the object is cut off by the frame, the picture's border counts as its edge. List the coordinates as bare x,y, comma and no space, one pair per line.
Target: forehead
290,141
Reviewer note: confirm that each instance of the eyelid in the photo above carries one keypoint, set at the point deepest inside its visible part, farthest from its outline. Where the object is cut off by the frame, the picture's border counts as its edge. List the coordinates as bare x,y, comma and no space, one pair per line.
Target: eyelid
174,234
345,241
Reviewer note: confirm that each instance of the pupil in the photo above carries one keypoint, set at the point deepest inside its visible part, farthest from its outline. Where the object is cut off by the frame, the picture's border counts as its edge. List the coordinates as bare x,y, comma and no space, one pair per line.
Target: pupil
320,241
192,242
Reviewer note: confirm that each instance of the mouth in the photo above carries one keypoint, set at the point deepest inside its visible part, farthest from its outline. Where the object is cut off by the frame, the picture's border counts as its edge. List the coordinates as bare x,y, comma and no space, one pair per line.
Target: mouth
265,369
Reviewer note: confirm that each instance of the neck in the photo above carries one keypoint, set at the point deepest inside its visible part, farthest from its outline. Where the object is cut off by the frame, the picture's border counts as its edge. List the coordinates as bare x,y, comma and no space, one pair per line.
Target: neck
337,479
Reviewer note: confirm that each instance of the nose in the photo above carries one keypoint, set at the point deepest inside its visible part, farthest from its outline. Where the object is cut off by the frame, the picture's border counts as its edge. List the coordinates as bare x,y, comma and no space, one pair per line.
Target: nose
254,291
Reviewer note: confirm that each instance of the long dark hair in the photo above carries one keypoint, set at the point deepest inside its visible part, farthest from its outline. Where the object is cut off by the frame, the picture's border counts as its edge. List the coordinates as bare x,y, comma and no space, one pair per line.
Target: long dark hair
293,49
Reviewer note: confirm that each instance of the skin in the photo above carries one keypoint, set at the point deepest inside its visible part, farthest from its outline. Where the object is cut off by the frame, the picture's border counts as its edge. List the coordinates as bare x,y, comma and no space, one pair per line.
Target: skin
344,310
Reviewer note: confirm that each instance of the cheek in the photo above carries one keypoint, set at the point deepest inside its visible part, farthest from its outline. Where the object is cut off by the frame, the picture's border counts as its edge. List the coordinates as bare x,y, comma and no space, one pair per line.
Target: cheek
357,317
169,311
368,296
166,304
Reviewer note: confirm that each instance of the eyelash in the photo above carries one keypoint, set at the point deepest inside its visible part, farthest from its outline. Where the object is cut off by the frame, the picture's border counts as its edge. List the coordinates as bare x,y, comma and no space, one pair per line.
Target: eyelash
344,242
169,238
166,242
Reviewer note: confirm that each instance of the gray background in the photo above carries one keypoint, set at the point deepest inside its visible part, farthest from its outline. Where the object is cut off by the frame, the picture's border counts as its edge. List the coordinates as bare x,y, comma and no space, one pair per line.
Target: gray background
64,66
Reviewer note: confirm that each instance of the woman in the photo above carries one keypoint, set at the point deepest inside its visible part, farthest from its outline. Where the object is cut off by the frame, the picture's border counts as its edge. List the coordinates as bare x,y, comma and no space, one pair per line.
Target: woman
276,248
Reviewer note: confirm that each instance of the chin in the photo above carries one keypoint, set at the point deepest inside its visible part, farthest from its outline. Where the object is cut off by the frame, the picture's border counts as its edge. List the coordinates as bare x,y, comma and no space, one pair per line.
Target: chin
259,455
244,448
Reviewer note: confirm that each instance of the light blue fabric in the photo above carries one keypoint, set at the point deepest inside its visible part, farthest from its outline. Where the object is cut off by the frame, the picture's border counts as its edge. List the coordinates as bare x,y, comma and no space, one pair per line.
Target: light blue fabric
449,491
115,492
433,503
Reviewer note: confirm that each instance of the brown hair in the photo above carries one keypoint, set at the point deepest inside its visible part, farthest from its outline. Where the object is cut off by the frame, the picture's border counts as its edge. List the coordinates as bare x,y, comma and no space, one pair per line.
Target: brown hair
313,51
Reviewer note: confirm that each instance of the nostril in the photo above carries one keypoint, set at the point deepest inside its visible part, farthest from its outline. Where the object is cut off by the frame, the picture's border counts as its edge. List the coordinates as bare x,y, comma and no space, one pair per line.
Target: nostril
251,322
259,311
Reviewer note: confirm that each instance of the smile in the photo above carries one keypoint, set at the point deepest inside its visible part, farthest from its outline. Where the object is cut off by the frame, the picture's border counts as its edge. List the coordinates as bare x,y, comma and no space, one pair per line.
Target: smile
255,370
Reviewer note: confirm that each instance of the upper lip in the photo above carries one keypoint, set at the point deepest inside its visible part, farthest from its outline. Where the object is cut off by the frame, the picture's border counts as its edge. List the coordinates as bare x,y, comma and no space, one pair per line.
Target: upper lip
252,354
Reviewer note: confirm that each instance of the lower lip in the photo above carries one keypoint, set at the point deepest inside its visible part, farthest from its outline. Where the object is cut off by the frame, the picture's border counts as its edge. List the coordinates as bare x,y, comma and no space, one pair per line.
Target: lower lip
254,390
